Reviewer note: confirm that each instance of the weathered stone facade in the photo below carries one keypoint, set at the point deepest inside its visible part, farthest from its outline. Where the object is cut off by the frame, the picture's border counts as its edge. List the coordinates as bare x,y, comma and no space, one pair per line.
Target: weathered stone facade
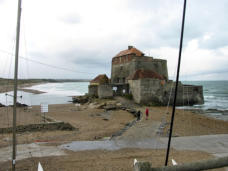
93,90
154,91
146,79
124,66
105,91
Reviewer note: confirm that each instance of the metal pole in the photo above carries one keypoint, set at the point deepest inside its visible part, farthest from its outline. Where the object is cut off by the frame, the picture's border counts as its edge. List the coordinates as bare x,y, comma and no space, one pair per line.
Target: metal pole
15,85
176,87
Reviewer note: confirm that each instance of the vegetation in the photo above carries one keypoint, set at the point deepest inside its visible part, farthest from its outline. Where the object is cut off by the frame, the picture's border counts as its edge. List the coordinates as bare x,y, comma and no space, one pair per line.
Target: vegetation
128,96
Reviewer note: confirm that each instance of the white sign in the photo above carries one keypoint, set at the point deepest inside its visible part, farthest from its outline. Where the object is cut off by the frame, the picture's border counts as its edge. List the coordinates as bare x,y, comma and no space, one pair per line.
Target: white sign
44,107
114,88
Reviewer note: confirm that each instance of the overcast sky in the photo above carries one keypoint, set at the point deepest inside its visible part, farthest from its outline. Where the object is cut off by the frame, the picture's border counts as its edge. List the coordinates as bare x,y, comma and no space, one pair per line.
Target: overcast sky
84,35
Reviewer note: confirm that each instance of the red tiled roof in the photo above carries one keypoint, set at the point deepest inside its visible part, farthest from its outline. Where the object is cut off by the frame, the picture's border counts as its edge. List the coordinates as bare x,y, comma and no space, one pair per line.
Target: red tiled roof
130,50
139,74
101,79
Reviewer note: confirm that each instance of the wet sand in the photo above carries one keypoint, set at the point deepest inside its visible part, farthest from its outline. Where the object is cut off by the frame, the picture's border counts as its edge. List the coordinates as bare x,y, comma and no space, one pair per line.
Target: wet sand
10,87
31,91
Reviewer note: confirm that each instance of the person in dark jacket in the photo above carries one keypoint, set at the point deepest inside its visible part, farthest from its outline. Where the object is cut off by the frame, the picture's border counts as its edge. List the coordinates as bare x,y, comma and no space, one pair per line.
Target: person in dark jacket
138,115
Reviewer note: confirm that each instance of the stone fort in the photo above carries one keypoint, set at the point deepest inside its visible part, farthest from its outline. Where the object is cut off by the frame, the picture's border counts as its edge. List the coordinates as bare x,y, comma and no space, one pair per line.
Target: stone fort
145,79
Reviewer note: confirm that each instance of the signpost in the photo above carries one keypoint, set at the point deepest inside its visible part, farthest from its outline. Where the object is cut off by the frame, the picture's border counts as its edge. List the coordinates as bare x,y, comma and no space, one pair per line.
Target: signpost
44,109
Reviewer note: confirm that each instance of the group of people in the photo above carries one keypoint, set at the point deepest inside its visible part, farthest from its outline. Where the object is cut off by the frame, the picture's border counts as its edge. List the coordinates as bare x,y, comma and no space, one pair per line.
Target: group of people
139,114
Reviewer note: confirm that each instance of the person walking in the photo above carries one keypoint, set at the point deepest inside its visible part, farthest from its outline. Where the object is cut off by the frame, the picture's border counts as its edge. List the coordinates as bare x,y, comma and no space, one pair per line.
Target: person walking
138,115
147,113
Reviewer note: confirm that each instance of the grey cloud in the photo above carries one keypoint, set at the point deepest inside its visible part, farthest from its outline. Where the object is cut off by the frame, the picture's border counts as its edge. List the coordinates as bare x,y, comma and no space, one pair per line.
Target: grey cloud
87,58
201,17
207,17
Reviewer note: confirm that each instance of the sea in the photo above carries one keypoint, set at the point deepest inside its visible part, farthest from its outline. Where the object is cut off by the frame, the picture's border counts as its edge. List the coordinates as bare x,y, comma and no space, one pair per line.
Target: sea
215,96
215,99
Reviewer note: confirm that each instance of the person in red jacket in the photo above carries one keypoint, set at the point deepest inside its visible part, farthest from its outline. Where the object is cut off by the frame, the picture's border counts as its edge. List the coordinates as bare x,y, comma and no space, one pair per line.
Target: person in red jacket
147,113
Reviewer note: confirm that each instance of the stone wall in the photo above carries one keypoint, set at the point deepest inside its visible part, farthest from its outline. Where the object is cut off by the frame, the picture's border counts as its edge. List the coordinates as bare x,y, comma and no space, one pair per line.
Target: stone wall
121,70
134,86
157,65
187,95
105,91
158,92
146,91
151,91
93,90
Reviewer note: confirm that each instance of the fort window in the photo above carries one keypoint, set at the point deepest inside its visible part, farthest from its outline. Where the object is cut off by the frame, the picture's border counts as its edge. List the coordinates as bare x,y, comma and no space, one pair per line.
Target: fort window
123,79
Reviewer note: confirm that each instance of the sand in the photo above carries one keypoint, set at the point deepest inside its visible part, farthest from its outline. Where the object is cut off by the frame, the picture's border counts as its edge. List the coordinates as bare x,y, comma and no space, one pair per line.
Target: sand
92,123
95,124
31,91
102,160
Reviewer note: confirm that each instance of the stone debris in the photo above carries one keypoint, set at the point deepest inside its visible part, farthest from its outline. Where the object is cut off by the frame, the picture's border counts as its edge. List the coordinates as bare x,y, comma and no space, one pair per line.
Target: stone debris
80,99
20,105
40,127
1,105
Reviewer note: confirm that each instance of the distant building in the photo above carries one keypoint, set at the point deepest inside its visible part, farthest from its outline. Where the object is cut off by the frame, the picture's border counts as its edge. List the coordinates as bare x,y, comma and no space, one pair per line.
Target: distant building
145,78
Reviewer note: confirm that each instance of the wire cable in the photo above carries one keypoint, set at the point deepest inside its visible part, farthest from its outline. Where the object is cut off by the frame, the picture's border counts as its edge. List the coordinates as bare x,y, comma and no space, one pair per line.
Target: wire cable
48,65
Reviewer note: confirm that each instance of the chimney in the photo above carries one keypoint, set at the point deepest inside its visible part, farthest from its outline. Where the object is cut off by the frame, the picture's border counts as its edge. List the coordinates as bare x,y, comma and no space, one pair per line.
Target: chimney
130,47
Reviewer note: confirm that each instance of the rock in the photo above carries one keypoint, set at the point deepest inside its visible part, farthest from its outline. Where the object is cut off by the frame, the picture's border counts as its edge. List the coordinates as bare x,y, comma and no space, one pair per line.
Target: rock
111,103
92,106
110,107
80,99
1,105
123,108
118,104
20,105
97,137
101,106
133,111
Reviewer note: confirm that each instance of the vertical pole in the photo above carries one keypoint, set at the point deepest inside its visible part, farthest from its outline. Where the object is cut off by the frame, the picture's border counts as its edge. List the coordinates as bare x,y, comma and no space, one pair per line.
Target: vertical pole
15,85
176,87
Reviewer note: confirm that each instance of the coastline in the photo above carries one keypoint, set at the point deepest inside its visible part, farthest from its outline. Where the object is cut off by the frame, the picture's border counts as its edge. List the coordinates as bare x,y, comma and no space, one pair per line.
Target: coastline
10,87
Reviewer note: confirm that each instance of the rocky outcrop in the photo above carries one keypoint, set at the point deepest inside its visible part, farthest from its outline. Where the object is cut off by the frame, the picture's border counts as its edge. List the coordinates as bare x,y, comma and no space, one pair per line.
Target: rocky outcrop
80,99
20,105
40,127
1,105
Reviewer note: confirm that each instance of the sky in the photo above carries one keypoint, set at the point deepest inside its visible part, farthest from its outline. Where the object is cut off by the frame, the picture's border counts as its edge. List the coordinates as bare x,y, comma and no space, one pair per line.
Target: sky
76,39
